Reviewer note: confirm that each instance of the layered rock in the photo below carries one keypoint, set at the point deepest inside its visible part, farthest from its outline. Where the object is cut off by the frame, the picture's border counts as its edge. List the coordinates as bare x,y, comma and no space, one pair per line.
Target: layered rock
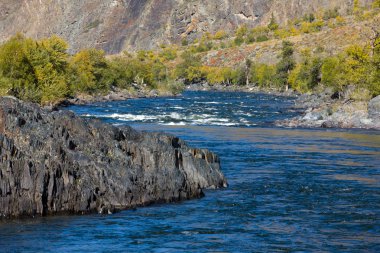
114,25
55,162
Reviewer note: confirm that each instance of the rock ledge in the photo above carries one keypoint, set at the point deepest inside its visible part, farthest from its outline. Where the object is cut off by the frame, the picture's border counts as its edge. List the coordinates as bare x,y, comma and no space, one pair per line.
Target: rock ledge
55,162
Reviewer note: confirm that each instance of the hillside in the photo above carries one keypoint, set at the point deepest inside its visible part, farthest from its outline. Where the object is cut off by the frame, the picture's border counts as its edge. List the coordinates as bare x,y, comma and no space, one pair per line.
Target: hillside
327,42
115,25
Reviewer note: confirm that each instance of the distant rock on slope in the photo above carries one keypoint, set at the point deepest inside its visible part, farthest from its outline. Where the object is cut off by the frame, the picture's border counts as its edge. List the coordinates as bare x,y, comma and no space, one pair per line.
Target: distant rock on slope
56,162
114,25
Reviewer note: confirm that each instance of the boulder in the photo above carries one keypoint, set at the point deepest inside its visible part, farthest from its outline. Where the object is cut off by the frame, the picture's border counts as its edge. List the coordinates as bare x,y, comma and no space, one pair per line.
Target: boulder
374,108
55,162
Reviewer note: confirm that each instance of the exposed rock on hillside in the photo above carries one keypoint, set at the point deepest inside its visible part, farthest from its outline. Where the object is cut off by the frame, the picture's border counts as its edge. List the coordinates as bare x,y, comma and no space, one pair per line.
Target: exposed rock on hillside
114,25
55,162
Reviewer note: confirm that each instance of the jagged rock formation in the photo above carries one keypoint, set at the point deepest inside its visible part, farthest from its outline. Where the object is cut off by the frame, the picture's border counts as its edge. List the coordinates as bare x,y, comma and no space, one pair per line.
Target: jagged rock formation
56,162
114,25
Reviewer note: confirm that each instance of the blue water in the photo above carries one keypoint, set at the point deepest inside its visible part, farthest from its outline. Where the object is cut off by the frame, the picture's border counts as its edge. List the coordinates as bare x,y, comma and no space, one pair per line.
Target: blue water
290,190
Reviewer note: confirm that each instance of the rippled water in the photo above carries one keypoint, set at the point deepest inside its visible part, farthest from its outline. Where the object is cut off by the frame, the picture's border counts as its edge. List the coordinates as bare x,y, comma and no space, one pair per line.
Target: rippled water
292,190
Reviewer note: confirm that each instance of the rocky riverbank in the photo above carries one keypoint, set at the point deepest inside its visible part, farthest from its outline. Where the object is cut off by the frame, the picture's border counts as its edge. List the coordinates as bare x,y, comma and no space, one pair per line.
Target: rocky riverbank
325,110
116,94
204,86
54,162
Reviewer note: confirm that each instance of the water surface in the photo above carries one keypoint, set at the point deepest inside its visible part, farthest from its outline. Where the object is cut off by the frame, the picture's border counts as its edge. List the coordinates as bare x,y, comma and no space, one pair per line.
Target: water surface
290,190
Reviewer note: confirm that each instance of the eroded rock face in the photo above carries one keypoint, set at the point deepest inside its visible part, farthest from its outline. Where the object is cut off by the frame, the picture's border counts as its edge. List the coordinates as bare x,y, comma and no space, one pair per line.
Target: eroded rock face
114,25
56,162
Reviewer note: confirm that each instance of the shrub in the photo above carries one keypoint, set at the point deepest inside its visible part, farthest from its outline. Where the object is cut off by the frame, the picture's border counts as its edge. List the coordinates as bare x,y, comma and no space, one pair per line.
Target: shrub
330,14
220,35
273,25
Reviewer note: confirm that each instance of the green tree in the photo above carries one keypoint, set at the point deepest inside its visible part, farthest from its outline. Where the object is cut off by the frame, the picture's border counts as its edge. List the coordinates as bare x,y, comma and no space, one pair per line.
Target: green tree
90,72
36,70
188,67
16,69
262,75
306,75
286,64
49,60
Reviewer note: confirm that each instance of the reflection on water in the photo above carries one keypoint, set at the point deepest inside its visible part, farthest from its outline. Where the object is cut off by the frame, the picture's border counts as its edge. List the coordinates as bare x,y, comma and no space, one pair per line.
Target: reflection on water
292,190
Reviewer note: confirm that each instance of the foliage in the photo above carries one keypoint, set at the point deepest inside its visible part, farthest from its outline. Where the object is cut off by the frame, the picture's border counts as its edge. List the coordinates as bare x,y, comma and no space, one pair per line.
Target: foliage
330,14
220,35
376,4
286,64
188,68
355,67
273,25
35,70
262,75
43,72
89,72
306,75
309,17
168,53
315,26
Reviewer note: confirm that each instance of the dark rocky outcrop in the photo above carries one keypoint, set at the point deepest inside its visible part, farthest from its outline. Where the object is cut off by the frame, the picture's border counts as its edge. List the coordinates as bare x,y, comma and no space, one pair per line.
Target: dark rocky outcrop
55,162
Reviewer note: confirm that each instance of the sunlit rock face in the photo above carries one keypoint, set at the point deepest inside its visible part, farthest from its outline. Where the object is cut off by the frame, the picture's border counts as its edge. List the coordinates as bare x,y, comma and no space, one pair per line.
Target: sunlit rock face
114,25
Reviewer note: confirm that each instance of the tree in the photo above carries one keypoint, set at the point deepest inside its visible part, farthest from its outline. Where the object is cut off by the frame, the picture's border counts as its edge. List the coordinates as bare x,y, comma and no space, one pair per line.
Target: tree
186,69
90,71
286,64
273,24
16,69
36,70
49,60
262,75
306,75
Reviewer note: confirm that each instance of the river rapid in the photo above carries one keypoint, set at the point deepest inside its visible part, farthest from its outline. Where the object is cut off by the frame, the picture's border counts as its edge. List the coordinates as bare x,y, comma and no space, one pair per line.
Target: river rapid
290,190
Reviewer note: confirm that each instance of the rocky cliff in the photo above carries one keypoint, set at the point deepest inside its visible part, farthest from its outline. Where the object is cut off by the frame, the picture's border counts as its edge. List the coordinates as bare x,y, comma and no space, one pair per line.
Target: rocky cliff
114,25
54,162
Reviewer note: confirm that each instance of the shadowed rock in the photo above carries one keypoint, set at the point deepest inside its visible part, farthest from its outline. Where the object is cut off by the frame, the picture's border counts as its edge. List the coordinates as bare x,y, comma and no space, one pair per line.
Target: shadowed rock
55,162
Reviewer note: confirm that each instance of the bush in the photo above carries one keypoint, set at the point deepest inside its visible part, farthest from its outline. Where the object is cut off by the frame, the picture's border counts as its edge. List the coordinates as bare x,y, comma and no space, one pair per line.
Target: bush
168,53
35,70
262,75
273,25
330,14
262,38
220,35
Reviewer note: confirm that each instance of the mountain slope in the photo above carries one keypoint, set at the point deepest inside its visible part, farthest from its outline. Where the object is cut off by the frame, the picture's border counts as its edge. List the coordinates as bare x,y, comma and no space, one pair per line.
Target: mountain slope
114,25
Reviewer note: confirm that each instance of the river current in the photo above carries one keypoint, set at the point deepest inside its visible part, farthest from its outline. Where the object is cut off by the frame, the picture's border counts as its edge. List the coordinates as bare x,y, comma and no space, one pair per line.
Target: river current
290,190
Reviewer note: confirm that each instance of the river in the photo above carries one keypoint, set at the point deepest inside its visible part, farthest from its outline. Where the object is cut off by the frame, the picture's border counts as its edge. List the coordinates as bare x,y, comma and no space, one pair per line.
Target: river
290,190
